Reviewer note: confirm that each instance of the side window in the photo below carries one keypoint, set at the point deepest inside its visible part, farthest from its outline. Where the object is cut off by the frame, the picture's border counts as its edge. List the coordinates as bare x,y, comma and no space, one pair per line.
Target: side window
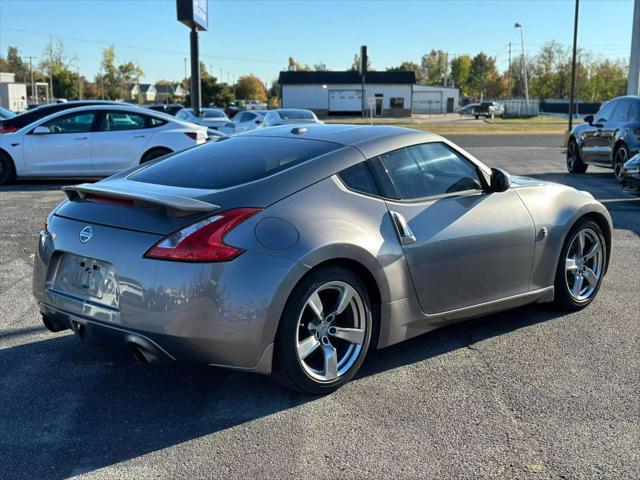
115,121
153,122
621,112
606,112
634,112
358,178
240,117
181,115
72,123
429,169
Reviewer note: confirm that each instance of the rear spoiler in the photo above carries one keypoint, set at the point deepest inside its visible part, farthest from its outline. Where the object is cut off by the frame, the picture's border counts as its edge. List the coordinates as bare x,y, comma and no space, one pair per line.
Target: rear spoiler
176,200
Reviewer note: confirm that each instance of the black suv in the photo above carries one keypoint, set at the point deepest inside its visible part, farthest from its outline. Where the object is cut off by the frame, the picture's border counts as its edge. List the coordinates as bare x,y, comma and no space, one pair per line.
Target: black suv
608,138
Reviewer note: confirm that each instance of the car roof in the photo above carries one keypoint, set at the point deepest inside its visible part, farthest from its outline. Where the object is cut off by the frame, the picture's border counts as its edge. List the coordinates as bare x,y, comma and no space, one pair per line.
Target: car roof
371,140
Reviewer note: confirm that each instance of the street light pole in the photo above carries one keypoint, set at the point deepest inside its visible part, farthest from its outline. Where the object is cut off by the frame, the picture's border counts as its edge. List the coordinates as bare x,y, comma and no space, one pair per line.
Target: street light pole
573,67
524,65
633,85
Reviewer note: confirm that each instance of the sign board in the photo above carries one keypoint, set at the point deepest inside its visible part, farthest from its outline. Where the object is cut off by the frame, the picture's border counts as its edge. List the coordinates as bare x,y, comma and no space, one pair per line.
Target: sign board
193,13
371,101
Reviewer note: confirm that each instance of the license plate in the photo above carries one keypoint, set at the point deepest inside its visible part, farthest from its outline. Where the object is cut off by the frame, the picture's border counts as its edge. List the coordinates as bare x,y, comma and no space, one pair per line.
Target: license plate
87,278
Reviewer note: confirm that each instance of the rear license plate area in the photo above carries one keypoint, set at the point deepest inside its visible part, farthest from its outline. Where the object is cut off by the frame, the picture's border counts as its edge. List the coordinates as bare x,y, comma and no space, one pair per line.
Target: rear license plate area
87,279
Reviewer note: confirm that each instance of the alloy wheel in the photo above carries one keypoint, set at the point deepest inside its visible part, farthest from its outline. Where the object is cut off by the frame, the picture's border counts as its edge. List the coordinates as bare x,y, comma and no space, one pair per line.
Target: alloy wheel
584,264
620,159
571,155
331,331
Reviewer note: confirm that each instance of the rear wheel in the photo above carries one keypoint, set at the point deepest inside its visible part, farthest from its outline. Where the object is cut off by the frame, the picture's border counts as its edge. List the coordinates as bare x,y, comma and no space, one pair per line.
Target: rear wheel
324,332
7,171
154,153
574,162
581,265
620,157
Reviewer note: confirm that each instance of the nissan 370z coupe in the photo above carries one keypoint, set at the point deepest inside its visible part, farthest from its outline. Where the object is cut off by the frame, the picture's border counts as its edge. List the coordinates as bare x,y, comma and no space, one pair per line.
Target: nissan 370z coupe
295,250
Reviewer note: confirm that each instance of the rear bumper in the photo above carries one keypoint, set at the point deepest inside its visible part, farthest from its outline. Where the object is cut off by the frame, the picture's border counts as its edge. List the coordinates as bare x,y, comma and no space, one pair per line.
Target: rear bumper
224,314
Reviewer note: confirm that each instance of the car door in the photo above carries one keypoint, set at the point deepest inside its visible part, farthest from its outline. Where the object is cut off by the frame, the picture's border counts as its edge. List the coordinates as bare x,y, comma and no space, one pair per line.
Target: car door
464,245
614,128
596,138
65,150
120,141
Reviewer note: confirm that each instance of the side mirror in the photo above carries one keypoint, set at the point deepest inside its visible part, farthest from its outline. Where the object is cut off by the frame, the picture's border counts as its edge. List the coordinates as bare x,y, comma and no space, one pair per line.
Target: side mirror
589,119
500,180
41,130
258,122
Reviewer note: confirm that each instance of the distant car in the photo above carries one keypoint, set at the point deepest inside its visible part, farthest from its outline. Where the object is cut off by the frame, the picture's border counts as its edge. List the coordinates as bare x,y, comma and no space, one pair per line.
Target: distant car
608,138
468,108
488,110
15,123
248,120
170,109
93,141
4,113
289,116
631,176
212,118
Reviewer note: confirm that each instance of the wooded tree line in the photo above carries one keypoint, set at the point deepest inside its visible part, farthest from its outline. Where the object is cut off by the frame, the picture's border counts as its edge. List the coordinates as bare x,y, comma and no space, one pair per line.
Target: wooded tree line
548,74
112,80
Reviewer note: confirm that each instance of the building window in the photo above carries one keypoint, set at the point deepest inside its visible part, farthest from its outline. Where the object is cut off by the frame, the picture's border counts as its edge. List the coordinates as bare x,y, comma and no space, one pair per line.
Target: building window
396,102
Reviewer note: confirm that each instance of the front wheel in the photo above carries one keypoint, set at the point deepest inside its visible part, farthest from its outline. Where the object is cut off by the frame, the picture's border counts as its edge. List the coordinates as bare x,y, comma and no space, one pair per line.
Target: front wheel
620,157
324,333
7,172
581,266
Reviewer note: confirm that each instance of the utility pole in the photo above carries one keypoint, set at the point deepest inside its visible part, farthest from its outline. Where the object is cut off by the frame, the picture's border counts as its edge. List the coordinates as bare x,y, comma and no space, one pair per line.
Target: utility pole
446,68
51,80
509,72
79,86
101,85
185,70
33,95
633,84
524,66
573,66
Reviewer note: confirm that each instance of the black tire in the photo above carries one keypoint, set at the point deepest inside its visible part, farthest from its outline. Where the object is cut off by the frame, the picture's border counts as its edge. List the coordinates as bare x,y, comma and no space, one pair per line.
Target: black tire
563,296
574,161
620,157
7,170
477,116
154,153
288,368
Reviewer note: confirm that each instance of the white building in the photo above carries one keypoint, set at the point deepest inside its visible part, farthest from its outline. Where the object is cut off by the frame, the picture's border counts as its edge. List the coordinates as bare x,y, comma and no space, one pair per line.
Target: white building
13,96
388,93
428,99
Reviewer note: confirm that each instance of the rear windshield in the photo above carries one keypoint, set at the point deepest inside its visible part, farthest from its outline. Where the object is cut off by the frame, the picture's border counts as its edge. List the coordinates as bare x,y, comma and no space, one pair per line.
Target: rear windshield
210,113
295,115
232,162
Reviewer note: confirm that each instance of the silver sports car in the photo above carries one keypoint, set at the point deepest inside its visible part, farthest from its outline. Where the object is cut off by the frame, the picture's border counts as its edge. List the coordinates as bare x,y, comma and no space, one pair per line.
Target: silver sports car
295,250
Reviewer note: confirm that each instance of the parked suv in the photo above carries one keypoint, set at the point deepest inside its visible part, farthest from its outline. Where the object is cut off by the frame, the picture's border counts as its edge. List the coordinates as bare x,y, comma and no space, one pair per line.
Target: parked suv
608,138
488,110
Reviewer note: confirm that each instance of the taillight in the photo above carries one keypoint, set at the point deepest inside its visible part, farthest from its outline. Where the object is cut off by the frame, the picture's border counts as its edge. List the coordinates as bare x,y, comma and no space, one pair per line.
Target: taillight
7,129
203,241
192,135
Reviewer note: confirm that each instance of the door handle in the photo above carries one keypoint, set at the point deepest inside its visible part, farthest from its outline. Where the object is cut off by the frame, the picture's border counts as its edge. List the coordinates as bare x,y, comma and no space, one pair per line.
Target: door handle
402,228
81,138
139,136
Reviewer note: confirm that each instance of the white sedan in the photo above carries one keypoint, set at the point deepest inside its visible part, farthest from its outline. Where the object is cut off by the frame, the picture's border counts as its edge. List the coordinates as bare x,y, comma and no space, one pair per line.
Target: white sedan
93,141
248,120
214,119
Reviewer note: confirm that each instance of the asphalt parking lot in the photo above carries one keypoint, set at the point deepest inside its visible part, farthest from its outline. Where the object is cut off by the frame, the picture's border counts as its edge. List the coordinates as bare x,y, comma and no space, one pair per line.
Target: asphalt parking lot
530,393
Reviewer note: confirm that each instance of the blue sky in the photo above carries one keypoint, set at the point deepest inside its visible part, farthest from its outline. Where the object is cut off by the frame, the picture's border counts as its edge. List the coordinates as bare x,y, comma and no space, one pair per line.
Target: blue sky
258,36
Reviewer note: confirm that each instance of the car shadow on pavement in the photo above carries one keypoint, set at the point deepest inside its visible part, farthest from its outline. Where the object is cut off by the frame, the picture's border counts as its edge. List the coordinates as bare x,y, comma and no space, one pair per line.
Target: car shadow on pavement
70,408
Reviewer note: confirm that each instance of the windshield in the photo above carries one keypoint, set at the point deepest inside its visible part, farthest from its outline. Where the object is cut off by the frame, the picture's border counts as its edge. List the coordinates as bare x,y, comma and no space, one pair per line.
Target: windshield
296,115
212,113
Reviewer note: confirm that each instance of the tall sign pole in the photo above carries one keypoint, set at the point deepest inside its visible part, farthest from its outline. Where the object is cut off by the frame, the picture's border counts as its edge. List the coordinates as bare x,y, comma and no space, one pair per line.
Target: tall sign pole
633,85
195,15
573,67
363,74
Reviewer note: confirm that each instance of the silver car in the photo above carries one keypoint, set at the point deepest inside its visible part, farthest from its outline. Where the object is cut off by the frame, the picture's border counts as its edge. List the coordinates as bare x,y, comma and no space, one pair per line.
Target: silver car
289,116
295,250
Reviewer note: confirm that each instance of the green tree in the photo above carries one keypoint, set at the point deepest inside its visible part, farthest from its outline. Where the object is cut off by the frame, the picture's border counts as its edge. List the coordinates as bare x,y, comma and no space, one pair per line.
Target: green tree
13,63
461,73
297,66
407,66
355,66
434,67
117,77
250,87
483,75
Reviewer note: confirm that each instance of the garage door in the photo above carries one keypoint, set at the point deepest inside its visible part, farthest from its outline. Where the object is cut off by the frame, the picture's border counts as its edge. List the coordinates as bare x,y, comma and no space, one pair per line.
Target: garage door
427,102
345,100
